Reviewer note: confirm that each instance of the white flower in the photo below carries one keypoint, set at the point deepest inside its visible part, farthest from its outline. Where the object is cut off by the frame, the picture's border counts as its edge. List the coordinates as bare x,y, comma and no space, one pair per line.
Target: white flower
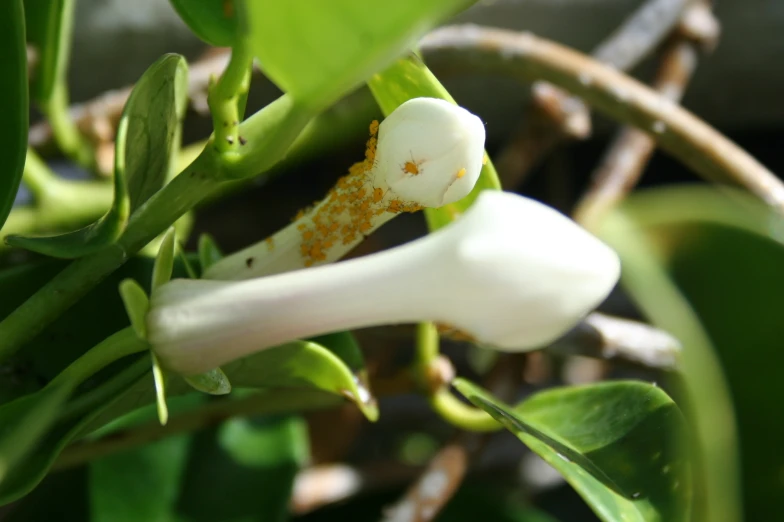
512,272
429,153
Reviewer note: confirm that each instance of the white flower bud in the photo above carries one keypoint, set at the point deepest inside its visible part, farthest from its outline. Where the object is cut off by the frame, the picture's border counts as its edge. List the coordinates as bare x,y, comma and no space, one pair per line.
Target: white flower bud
512,272
429,153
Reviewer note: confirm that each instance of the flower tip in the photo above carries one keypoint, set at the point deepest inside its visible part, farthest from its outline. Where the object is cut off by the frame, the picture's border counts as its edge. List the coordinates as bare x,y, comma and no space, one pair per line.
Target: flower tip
431,151
539,272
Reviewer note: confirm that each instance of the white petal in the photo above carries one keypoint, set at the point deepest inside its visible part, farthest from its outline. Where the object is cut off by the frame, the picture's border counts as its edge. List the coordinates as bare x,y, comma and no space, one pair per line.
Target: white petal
514,273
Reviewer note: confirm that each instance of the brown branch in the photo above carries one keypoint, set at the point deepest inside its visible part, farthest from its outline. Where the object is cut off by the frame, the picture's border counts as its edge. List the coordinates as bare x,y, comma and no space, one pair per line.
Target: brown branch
625,160
430,493
677,131
604,337
559,117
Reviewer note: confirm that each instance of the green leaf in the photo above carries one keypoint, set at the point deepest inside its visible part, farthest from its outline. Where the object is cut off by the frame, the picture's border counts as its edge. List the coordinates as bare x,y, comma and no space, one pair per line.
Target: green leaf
149,131
14,104
89,239
214,21
140,484
49,25
244,470
409,78
214,382
723,249
209,252
617,443
59,493
302,364
137,304
318,51
22,478
160,390
164,261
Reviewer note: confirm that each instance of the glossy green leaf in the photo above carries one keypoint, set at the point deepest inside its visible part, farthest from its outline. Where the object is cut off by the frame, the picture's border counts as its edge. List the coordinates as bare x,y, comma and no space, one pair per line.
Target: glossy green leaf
408,78
319,51
723,249
244,470
57,493
14,104
140,484
214,21
149,129
617,443
49,24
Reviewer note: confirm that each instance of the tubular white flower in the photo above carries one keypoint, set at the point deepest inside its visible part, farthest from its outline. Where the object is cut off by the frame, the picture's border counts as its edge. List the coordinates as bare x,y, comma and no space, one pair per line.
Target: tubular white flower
429,153
512,272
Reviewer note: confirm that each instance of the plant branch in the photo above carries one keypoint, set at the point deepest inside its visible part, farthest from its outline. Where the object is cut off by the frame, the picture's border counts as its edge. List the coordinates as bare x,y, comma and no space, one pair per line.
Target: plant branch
559,117
224,100
631,150
677,131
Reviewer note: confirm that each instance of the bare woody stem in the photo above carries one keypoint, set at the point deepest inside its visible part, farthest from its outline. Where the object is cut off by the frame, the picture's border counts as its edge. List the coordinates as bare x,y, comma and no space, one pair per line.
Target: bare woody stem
629,153
676,130
556,117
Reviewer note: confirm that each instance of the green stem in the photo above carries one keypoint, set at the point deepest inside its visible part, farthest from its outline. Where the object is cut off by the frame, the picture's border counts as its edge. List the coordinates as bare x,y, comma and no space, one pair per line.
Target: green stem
270,132
37,175
224,100
460,414
64,130
426,346
116,346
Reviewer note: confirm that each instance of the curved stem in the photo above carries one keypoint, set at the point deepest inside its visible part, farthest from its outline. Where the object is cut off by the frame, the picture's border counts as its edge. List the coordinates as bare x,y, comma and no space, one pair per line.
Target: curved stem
114,347
65,132
224,99
37,175
460,414
676,130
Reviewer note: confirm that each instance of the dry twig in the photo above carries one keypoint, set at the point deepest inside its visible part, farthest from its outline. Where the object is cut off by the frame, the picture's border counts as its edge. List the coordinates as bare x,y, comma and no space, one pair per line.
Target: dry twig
676,130
558,117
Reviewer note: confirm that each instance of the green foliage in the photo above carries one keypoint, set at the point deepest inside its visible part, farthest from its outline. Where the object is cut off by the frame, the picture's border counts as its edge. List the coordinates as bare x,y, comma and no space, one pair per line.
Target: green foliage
142,484
408,78
724,251
148,135
317,51
214,21
13,102
617,443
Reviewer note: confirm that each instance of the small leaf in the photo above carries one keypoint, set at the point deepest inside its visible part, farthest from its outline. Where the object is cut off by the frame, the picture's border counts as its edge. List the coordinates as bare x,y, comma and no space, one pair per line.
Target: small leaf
302,364
140,484
318,51
214,382
617,443
148,134
244,470
214,21
14,105
137,304
160,390
164,261
209,252
409,78
49,24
